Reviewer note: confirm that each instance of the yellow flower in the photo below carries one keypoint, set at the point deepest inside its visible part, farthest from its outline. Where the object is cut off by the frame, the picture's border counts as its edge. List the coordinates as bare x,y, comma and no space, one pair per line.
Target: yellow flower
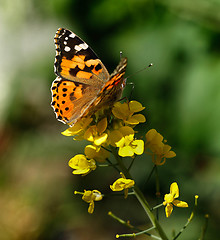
124,139
160,150
90,197
153,138
78,128
96,152
126,110
81,164
122,184
170,199
96,133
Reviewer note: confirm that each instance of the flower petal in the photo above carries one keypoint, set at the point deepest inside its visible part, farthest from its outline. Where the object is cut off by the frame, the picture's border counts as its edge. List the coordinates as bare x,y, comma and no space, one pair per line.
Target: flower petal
170,154
90,151
168,210
121,110
81,165
136,119
121,184
126,151
179,203
174,190
99,140
116,138
102,125
89,133
153,135
135,106
81,171
126,131
77,160
97,196
87,196
96,152
91,207
78,127
139,149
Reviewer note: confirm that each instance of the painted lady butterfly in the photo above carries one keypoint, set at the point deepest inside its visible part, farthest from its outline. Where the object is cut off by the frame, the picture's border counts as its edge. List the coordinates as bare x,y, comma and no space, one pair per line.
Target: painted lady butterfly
83,84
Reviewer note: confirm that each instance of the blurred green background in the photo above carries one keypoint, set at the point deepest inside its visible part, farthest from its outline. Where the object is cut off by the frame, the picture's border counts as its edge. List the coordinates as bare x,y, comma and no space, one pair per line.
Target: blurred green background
181,93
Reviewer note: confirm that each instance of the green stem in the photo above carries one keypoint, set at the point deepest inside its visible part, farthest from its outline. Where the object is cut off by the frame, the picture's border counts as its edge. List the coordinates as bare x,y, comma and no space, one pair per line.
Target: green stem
189,219
127,224
113,165
156,207
139,195
139,233
151,216
204,228
153,169
157,189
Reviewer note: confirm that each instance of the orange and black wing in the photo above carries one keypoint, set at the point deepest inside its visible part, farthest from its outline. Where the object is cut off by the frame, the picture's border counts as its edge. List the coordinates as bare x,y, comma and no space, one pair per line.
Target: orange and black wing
76,61
70,100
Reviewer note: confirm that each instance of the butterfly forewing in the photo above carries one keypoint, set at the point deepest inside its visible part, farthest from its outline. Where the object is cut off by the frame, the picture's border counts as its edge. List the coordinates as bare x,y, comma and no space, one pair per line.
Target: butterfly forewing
76,61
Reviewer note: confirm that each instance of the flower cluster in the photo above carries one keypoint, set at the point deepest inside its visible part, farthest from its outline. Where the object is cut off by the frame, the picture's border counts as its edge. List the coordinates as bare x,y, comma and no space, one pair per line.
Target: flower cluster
114,129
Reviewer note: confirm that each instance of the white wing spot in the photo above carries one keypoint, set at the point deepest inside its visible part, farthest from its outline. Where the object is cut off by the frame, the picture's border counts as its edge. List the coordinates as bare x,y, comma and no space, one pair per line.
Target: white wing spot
72,35
66,38
81,46
77,48
65,42
67,49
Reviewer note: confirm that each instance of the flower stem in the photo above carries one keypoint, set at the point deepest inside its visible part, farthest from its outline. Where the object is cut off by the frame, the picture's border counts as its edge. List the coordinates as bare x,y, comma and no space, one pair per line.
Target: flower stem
156,207
139,195
137,230
204,228
157,189
151,216
189,219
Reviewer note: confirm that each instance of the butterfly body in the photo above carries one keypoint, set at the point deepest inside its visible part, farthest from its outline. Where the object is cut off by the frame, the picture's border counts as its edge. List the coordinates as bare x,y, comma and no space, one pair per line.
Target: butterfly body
83,84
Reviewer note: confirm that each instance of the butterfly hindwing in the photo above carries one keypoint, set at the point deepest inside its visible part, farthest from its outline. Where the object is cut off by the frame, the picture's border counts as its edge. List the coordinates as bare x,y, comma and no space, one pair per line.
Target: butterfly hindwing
71,99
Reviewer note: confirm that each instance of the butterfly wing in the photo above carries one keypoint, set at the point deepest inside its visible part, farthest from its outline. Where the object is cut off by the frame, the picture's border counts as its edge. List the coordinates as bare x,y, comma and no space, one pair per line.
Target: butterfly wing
112,90
70,99
76,61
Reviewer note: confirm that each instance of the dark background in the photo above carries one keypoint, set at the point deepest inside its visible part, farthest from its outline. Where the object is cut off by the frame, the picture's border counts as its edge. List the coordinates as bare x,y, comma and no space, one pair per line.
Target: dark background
181,93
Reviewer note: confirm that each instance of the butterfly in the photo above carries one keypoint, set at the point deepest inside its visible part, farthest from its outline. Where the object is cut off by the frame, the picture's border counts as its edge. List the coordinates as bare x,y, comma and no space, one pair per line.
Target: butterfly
83,84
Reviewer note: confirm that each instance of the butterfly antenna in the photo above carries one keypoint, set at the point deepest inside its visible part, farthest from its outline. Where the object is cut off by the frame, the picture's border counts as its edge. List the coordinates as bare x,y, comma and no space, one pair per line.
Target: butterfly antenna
131,83
141,70
121,54
132,90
